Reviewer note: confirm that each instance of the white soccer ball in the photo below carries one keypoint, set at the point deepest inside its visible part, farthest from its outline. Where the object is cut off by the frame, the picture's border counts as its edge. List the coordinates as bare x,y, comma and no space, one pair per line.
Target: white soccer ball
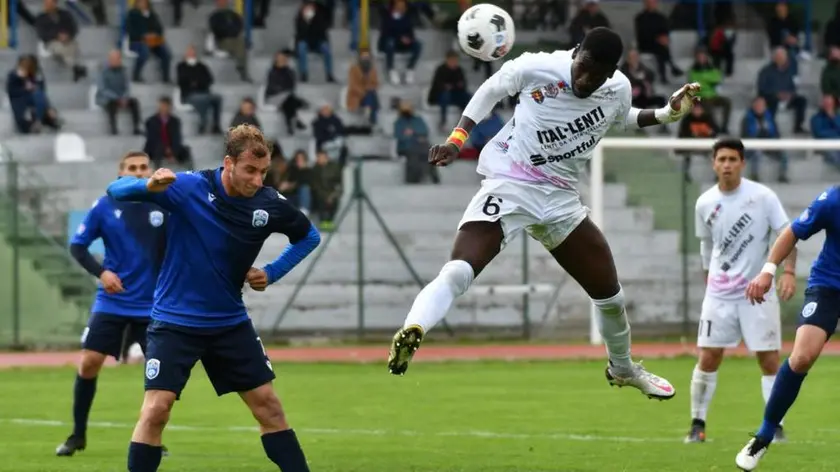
486,32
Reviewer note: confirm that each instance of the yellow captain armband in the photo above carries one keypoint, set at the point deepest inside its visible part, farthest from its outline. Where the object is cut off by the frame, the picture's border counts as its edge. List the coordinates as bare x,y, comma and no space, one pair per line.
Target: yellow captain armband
458,137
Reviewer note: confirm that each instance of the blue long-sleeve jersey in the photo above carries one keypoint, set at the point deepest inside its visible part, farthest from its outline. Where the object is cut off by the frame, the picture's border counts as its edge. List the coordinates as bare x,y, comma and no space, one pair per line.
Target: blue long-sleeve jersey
134,235
823,214
212,241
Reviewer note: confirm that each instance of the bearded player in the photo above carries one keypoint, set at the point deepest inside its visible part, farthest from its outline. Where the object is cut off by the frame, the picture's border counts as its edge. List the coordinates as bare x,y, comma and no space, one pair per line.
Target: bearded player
568,101
734,221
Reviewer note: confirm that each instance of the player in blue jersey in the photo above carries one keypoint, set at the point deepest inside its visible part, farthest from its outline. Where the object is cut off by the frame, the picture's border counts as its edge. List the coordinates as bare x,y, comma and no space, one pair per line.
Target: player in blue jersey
134,236
817,320
219,220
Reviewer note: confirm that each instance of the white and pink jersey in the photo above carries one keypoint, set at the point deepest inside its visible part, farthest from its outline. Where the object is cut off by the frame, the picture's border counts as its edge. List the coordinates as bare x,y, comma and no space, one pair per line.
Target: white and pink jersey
738,226
553,133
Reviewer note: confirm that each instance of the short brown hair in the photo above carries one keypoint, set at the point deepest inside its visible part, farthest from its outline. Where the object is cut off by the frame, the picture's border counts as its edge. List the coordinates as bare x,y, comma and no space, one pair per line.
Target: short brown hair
131,154
244,138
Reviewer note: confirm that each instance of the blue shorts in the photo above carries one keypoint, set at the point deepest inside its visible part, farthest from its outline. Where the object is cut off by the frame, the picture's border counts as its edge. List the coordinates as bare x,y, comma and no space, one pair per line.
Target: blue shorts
821,308
104,333
233,357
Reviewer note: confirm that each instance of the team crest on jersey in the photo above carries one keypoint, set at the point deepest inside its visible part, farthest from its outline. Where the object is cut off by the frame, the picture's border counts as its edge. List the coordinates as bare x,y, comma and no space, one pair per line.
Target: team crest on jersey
155,218
537,95
551,90
259,219
117,214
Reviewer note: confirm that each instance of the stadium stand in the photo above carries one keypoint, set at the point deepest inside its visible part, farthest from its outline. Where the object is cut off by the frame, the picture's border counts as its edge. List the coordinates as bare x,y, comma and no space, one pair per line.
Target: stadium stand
423,217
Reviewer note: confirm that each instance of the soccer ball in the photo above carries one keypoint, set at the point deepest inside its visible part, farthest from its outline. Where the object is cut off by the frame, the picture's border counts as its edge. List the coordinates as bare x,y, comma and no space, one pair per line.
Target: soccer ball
486,32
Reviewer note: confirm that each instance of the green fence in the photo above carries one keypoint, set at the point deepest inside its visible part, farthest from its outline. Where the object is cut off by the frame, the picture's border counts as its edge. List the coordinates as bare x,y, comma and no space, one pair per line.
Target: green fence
44,296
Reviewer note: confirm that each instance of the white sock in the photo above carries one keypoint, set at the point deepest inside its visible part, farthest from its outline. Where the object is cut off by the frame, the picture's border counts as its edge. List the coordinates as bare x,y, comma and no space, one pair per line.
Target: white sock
767,387
703,385
434,301
615,329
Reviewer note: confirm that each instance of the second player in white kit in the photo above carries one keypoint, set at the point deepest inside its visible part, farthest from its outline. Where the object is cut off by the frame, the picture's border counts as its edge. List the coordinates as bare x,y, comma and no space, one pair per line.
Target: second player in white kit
735,221
568,100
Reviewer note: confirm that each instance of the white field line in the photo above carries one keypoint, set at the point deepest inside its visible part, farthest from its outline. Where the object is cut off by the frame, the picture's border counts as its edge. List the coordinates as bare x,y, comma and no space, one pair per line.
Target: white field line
677,438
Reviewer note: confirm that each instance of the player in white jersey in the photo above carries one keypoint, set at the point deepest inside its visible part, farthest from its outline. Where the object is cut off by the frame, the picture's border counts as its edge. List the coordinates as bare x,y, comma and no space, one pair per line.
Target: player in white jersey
568,101
734,221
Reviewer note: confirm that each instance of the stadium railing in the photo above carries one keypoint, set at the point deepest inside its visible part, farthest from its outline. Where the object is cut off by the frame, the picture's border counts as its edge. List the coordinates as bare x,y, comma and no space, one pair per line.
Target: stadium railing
44,295
667,175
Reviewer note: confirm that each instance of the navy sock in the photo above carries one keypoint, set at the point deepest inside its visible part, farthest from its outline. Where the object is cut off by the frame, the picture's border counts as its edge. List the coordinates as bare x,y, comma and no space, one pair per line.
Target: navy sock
284,450
143,457
83,392
784,393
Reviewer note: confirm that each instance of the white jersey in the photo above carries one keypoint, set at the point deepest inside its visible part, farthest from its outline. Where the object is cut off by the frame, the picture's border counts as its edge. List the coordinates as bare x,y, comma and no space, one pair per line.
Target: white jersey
738,226
553,133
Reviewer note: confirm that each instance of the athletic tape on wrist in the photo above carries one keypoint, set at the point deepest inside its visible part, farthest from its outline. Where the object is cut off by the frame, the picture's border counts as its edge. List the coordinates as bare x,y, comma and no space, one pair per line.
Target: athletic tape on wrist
769,268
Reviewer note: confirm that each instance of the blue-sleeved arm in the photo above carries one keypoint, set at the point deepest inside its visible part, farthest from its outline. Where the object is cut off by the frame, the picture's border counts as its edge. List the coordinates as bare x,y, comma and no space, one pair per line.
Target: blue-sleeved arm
293,255
87,232
816,217
133,189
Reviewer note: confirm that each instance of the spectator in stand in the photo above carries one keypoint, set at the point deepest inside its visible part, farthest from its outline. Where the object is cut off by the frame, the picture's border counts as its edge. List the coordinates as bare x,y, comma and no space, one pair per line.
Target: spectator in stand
449,87
194,82
247,114
777,85
831,33
28,98
311,36
326,178
412,135
280,92
278,174
145,37
830,77
164,139
410,131
653,37
722,46
783,32
397,35
113,93
361,87
57,29
698,124
588,16
759,123
709,77
641,81
228,32
329,134
297,186
825,124
485,130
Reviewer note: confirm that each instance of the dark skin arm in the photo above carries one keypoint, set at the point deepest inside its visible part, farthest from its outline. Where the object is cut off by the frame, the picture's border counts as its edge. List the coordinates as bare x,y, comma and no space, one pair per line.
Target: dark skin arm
442,155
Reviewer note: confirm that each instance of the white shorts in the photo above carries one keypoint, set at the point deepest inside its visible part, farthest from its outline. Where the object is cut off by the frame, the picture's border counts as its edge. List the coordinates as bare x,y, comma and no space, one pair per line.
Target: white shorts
724,322
546,212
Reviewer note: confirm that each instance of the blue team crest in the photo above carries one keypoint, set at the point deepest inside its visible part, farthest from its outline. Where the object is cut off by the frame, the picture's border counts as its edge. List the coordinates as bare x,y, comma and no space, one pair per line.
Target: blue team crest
259,219
155,218
152,368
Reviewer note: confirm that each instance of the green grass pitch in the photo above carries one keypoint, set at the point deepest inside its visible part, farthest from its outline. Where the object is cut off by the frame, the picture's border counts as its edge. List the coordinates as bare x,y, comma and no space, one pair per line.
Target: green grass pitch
451,417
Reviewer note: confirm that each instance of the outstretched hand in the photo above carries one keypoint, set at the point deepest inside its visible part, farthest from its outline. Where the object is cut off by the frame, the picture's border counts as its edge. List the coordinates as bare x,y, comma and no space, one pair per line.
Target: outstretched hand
442,155
683,100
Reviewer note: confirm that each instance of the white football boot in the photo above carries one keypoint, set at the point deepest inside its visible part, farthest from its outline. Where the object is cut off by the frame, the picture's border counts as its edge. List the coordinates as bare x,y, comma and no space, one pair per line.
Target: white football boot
651,385
751,454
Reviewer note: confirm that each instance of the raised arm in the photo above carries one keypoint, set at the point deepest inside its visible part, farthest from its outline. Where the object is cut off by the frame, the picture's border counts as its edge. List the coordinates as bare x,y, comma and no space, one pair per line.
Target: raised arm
678,106
159,188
